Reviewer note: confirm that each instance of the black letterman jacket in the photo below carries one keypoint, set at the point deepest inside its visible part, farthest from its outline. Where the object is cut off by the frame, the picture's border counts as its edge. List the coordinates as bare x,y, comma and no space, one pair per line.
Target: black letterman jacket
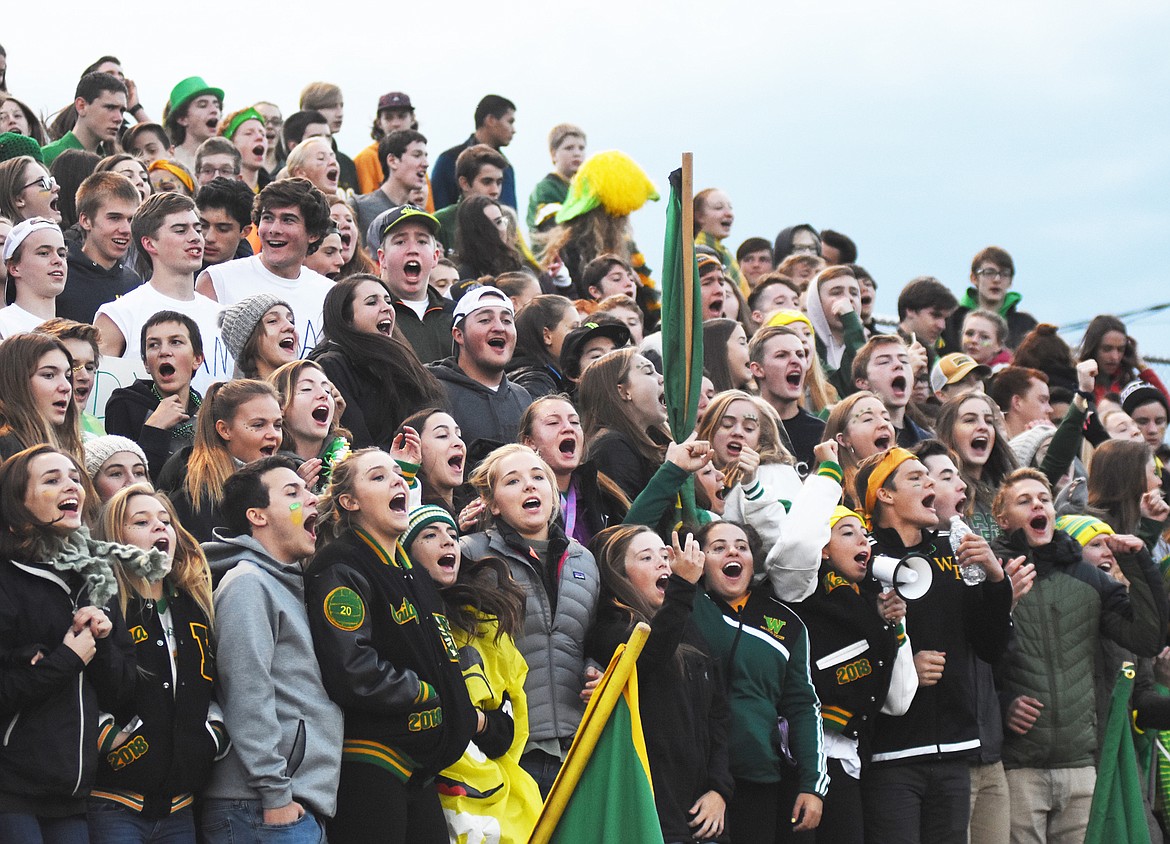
178,732
958,620
387,658
851,651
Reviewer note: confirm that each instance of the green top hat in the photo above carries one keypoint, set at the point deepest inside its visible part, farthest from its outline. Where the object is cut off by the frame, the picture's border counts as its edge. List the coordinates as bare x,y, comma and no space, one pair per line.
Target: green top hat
189,89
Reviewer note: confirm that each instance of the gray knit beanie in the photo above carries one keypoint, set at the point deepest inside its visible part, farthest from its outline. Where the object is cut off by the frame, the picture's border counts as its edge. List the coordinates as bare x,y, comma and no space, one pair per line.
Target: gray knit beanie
238,321
100,449
1024,446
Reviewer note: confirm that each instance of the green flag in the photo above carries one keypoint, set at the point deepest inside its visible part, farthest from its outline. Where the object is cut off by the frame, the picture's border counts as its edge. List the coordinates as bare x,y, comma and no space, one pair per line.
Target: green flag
1117,813
682,332
613,800
604,791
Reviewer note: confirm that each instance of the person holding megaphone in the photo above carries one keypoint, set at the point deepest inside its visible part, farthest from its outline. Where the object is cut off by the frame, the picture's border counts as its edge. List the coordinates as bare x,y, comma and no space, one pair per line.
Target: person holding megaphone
861,664
918,785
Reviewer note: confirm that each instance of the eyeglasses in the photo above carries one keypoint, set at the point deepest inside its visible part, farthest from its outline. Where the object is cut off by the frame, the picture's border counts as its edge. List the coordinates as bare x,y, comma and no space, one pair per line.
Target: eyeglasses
226,170
990,274
47,183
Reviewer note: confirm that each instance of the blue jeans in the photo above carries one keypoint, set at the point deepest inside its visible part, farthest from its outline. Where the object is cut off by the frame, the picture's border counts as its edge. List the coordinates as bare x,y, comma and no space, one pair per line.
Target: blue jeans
110,823
30,829
242,822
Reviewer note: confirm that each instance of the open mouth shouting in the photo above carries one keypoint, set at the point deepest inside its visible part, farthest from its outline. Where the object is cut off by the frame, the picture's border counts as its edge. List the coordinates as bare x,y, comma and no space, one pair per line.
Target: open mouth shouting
412,270
883,441
310,525
660,584
981,446
60,409
456,464
70,505
166,370
861,560
928,502
331,175
289,343
732,569
446,562
500,344
322,413
532,505
898,386
385,327
163,544
268,450
568,448
398,503
794,377
715,308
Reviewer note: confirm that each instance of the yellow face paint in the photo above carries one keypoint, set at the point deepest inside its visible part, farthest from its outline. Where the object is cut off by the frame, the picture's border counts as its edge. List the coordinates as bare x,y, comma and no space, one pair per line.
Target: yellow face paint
297,516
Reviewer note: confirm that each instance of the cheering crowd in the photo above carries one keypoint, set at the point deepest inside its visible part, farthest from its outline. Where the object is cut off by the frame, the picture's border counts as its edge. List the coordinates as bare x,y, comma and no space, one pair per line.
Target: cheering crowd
347,560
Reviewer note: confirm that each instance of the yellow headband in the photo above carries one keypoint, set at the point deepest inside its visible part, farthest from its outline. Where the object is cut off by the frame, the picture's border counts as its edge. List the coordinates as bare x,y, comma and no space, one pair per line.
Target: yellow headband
889,464
843,512
789,317
177,172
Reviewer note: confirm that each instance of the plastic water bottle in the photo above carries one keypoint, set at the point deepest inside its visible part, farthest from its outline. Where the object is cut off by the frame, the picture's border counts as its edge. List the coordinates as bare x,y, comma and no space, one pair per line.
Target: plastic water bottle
972,573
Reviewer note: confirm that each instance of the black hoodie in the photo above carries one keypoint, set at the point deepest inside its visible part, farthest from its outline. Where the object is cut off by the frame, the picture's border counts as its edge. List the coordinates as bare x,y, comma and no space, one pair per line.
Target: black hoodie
482,413
126,415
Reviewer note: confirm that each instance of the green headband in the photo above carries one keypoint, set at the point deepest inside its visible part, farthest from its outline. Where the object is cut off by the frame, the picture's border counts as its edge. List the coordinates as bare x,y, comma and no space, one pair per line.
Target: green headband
237,121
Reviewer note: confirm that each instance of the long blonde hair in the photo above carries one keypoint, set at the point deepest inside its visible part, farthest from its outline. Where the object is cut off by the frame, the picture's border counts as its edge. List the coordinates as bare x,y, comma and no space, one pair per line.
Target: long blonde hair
189,573
210,463
487,473
771,447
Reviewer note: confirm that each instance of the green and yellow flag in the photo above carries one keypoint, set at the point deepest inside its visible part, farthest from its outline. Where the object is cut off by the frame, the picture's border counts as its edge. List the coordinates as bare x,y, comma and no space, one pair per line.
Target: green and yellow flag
1117,813
604,792
682,323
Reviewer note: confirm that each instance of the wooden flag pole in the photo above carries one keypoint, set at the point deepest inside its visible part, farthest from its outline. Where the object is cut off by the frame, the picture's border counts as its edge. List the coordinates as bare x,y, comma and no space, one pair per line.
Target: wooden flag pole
688,254
605,698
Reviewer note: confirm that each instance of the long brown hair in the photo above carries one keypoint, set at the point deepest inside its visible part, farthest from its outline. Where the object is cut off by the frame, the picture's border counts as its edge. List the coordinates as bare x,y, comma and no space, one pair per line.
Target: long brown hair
528,420
23,532
210,463
189,573
609,549
1000,463
389,361
284,380
20,357
1117,476
597,399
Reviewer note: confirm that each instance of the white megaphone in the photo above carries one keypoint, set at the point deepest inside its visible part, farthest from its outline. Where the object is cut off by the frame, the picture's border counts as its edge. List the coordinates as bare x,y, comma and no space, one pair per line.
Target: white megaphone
910,576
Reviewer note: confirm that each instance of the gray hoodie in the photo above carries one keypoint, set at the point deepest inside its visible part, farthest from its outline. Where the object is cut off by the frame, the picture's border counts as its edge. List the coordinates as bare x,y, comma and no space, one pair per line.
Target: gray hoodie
286,732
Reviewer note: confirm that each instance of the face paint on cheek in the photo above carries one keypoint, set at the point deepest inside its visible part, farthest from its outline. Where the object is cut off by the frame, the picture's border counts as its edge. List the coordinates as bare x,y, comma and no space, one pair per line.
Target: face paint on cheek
297,516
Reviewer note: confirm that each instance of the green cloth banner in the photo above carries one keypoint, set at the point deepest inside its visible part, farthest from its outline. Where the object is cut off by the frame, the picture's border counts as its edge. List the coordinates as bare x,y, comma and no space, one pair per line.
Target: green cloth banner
1117,813
682,336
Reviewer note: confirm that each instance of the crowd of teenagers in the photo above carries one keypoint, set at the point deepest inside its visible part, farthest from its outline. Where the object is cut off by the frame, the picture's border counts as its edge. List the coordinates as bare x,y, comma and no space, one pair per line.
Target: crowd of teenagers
397,480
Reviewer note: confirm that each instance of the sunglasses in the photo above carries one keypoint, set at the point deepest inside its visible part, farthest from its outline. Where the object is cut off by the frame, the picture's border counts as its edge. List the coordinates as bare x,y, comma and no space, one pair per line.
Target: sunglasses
47,183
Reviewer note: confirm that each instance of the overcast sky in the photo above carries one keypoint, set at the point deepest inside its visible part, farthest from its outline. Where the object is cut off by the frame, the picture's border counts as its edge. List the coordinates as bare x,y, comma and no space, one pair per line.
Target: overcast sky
923,130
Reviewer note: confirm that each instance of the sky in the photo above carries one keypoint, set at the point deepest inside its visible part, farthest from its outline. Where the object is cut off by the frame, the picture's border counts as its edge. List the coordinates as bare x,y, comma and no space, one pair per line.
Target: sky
923,130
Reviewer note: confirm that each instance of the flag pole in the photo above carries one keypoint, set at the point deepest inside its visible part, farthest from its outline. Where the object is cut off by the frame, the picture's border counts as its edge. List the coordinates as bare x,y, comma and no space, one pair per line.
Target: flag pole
688,252
605,698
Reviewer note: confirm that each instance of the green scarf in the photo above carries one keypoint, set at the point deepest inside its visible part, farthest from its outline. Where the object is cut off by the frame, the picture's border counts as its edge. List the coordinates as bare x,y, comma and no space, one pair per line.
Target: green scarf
93,559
